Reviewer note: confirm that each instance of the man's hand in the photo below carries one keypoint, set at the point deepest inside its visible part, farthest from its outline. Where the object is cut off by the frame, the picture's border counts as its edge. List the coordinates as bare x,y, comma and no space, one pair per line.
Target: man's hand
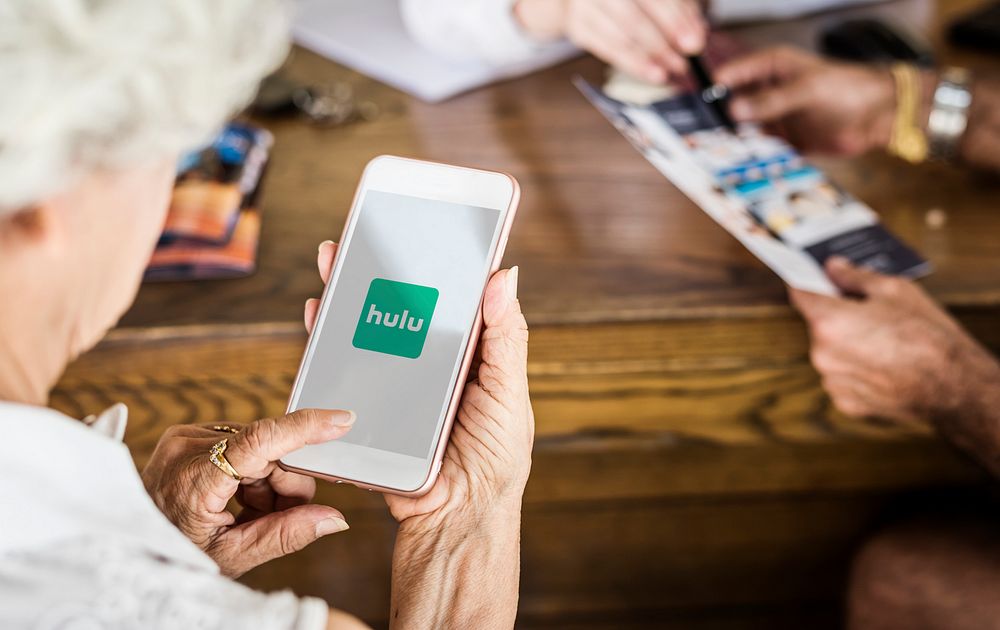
645,38
887,350
276,518
816,104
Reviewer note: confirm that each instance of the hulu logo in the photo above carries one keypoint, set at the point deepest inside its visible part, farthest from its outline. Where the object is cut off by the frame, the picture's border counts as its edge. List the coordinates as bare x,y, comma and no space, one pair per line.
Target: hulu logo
395,318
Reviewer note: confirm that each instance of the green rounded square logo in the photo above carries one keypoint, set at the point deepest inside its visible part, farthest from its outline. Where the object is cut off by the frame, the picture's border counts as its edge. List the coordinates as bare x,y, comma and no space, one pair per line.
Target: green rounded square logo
395,318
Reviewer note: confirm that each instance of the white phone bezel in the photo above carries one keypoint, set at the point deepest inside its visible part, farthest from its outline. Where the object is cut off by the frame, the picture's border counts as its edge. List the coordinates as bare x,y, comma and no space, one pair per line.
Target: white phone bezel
372,468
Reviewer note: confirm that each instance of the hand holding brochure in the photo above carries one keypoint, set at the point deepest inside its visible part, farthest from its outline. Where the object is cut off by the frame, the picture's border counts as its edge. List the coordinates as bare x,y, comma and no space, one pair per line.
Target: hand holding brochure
778,205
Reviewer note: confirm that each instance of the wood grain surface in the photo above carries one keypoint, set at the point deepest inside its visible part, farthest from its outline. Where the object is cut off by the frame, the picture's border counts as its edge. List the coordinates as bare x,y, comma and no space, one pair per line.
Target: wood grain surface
689,471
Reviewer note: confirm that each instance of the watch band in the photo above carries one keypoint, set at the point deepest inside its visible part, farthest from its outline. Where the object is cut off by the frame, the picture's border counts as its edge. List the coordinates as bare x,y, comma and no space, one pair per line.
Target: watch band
908,140
950,112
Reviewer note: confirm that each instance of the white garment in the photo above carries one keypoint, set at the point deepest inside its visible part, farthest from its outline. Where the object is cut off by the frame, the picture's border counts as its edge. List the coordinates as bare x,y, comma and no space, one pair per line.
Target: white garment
83,546
487,29
481,29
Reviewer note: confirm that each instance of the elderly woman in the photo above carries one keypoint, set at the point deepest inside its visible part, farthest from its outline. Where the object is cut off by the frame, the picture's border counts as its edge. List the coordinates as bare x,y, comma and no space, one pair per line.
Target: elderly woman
99,98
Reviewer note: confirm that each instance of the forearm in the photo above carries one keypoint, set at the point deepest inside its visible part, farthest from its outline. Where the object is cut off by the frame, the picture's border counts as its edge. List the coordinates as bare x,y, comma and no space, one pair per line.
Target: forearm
980,145
460,573
972,419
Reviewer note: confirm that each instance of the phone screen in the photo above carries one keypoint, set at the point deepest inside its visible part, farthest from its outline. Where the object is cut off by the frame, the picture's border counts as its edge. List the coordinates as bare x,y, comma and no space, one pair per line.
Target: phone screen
391,342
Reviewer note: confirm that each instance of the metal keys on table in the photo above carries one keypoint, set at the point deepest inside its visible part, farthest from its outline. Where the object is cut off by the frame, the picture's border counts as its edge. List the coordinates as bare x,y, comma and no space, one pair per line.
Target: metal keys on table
331,105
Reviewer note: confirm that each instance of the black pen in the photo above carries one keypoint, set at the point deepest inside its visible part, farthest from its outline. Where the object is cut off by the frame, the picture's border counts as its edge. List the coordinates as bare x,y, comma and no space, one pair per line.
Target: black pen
713,94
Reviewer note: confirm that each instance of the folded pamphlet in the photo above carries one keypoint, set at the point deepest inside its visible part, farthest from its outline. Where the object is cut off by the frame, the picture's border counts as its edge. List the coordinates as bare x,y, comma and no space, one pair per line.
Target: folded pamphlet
778,205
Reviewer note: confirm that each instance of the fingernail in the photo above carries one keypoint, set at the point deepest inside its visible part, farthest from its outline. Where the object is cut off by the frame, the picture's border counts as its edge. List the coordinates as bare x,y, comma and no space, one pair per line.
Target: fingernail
331,525
343,418
326,242
741,109
512,283
838,261
691,42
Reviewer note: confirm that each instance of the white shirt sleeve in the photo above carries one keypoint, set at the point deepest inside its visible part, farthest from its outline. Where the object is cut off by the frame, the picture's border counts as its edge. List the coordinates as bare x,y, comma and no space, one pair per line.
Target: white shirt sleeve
82,545
485,30
728,11
90,583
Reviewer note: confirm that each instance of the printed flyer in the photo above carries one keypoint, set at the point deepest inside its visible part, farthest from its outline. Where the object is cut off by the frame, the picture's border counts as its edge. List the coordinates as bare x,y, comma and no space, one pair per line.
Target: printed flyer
778,205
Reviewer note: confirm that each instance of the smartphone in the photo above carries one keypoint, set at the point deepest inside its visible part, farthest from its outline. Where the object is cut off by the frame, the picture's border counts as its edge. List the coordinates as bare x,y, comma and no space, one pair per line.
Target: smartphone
399,320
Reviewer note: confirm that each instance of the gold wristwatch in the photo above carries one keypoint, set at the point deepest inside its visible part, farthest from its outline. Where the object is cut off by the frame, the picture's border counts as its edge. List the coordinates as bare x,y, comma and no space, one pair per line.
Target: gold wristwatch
908,140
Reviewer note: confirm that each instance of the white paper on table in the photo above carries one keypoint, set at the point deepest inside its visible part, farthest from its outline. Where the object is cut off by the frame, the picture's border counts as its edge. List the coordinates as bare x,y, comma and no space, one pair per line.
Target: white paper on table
369,36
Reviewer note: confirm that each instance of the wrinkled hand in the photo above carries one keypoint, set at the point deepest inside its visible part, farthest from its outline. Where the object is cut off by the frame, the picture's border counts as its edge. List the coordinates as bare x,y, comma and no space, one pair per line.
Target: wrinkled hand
488,457
645,38
888,350
816,104
276,518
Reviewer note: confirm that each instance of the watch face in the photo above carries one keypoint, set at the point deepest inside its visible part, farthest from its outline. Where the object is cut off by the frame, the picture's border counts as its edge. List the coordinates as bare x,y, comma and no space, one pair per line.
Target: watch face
949,114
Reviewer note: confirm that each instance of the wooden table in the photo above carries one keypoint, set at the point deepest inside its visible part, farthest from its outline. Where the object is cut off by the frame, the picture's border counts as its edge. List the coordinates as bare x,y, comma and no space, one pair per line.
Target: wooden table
688,465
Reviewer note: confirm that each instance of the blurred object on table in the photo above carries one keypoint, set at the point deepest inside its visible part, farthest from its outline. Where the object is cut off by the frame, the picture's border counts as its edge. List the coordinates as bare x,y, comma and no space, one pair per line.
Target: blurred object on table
916,16
213,224
332,105
979,29
874,41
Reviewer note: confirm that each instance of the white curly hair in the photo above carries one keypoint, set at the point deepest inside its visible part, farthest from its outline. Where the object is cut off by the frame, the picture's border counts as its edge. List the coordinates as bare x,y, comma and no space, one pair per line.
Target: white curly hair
88,85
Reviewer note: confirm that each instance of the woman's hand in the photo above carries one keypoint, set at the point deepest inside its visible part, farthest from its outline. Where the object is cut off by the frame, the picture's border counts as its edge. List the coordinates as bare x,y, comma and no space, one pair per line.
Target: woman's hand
645,38
488,457
816,104
276,518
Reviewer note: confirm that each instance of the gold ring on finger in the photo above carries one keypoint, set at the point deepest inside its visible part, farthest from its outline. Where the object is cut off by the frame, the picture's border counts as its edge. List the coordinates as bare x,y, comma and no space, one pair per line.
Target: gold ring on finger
225,428
218,457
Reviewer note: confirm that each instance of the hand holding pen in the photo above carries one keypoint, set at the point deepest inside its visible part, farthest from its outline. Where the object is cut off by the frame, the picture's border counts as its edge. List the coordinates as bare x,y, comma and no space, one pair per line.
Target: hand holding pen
715,95
647,39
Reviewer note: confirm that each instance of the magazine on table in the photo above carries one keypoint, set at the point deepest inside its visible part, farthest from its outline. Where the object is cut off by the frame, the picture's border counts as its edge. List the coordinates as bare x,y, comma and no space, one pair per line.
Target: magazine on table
213,225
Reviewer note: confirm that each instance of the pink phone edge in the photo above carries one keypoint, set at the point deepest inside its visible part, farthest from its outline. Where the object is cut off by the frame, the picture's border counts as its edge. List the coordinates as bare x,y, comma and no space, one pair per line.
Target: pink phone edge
470,350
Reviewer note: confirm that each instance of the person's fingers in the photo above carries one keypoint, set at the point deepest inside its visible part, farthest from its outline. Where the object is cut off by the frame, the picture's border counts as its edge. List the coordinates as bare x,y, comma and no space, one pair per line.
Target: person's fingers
767,66
656,44
257,495
695,16
207,429
324,262
857,281
772,103
608,40
310,314
291,489
274,535
324,259
680,22
279,491
254,451
847,396
813,306
504,342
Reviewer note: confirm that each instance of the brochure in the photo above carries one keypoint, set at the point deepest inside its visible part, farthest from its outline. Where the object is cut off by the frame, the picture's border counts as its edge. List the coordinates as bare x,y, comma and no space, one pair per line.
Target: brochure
778,205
